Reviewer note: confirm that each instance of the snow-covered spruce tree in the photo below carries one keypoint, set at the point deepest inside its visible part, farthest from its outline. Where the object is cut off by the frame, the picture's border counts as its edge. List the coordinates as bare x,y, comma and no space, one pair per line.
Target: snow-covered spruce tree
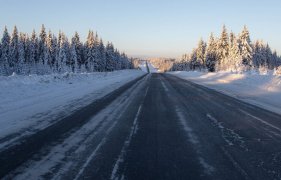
117,60
42,51
269,57
67,47
27,53
259,54
73,55
54,63
89,52
234,58
79,53
21,66
4,58
124,61
33,53
96,54
102,56
13,51
246,48
222,50
193,59
211,55
62,55
109,57
200,54
49,51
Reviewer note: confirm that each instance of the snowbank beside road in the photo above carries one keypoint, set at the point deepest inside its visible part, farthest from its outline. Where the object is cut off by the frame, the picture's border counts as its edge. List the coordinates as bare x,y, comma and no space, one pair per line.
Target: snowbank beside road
263,90
30,103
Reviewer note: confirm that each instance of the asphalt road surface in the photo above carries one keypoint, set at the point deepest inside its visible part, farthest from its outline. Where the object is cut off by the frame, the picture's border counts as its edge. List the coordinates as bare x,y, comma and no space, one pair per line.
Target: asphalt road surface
160,127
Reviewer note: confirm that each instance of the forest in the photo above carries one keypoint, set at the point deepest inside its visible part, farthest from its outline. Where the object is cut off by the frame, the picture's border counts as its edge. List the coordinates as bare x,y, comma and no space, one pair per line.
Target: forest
48,53
229,52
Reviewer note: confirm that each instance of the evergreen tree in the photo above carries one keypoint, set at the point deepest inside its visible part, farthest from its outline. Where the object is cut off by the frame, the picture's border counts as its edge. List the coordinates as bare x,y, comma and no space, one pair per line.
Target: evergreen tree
210,55
42,45
33,53
246,48
90,52
73,55
235,58
62,55
200,54
96,54
49,52
109,57
13,50
21,66
222,49
5,49
79,53
102,56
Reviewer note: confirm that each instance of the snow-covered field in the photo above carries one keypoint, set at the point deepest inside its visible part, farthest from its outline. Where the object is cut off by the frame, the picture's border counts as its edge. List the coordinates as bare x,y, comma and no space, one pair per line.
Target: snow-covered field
30,103
263,90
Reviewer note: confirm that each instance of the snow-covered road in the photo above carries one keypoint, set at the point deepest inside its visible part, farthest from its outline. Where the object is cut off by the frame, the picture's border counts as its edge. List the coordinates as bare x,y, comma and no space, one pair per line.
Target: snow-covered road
157,127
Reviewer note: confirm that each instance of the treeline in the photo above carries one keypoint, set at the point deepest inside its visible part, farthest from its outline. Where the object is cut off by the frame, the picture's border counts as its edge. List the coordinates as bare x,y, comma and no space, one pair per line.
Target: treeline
24,54
229,52
162,64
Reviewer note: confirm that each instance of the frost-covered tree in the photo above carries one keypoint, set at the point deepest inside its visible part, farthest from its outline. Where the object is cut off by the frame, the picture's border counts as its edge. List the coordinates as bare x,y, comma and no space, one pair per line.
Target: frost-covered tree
246,48
109,57
73,55
42,45
79,53
222,49
90,52
21,66
46,54
62,55
200,54
49,52
4,58
211,55
102,56
96,54
13,50
33,53
193,59
234,58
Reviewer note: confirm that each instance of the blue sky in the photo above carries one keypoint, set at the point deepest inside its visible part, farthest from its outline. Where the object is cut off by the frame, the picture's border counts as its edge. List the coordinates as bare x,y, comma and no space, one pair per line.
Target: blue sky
166,28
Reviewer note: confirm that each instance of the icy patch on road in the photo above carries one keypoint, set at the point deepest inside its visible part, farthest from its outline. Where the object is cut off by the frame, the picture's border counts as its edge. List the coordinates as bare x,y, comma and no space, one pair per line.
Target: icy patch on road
164,86
193,139
229,135
208,169
122,155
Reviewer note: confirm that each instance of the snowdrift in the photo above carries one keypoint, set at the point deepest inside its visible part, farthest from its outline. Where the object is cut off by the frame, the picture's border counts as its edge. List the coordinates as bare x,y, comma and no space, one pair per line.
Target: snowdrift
261,89
30,103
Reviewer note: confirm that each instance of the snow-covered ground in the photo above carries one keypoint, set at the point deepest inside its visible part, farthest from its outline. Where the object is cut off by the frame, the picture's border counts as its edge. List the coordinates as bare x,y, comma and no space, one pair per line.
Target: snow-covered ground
263,90
30,103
